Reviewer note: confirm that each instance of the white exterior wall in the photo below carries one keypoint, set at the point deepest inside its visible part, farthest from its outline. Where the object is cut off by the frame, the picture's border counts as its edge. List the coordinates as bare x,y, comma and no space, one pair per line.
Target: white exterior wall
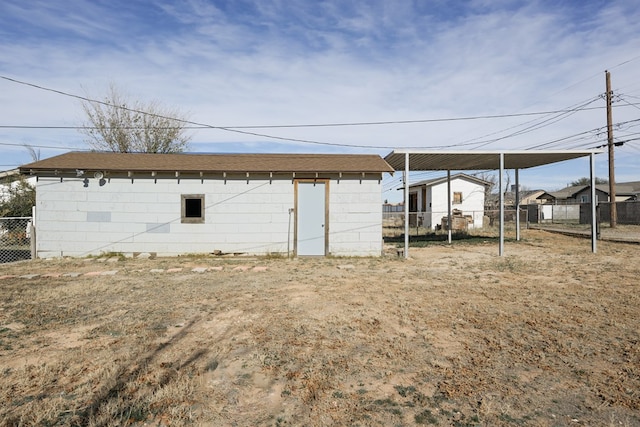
355,218
240,216
472,202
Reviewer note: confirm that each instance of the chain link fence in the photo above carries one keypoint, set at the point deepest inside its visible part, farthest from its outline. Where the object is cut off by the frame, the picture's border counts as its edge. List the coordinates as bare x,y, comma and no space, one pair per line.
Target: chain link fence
15,239
568,215
484,223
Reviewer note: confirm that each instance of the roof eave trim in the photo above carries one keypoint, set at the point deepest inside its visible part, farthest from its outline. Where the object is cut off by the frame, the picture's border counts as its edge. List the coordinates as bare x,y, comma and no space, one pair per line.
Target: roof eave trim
155,172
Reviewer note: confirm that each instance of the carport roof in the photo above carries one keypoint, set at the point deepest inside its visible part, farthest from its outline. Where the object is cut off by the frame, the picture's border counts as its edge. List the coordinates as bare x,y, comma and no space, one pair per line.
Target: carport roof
479,160
429,160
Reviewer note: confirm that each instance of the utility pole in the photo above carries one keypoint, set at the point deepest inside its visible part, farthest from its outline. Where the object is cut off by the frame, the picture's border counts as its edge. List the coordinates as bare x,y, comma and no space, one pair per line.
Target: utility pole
612,176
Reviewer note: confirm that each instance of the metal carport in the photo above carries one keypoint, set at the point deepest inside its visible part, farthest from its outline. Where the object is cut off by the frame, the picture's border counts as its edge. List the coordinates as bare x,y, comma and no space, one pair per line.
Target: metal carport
429,160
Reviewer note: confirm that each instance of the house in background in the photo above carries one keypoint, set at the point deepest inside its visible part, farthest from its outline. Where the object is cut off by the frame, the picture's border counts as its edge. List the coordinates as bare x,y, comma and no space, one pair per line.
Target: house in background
7,180
10,179
625,191
565,204
526,197
89,203
9,176
429,201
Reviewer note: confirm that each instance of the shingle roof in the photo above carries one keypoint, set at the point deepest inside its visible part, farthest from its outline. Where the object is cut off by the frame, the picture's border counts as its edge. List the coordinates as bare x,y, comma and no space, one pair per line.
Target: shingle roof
209,163
622,189
568,192
635,185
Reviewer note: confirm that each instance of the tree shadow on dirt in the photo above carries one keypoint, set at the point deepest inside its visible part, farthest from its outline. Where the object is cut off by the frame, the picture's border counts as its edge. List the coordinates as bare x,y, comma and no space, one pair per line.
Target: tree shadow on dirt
128,379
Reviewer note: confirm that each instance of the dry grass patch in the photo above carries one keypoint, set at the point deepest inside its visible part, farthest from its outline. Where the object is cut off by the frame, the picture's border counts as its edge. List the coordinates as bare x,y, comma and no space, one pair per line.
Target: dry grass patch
455,336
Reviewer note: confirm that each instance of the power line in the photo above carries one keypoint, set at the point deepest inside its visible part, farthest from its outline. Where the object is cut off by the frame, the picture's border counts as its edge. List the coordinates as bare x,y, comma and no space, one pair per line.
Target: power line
626,62
312,125
398,122
243,132
238,129
204,126
531,128
560,114
562,90
595,130
307,125
628,103
52,147
539,125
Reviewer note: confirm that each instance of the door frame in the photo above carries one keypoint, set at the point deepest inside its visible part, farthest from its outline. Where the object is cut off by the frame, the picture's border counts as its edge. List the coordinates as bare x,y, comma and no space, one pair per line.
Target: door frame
324,181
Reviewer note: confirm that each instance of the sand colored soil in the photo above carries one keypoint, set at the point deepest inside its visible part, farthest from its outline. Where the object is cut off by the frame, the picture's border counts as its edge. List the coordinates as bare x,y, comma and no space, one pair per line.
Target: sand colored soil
548,335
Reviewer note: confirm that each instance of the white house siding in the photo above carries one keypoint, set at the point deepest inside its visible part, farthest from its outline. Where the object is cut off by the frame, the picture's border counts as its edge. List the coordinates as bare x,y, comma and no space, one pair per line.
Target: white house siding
436,203
240,216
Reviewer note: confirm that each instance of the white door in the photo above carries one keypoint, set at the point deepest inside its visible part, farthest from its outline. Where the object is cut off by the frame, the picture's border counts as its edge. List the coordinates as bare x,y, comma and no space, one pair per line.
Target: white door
311,218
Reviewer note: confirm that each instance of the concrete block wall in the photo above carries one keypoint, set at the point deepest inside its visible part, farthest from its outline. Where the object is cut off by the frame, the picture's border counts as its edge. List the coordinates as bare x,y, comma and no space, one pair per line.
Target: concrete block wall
244,216
355,218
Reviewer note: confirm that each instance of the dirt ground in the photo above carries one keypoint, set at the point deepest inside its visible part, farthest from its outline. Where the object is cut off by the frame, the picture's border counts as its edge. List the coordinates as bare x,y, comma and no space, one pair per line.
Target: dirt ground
548,335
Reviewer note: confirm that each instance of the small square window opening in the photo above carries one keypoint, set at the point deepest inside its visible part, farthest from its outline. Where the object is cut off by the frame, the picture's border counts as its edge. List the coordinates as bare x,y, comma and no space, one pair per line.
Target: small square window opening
192,208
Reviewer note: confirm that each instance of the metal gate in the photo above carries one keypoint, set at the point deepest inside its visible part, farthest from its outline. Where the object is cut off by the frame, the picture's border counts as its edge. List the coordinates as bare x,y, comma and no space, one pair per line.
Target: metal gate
15,238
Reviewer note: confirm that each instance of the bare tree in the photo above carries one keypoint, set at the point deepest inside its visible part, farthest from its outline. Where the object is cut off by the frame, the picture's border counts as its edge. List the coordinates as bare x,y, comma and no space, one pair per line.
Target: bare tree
33,153
491,178
120,125
507,184
587,181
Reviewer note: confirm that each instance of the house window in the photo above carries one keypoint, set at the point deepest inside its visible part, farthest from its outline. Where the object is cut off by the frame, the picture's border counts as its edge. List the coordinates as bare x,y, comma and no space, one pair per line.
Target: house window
413,202
584,199
192,208
457,197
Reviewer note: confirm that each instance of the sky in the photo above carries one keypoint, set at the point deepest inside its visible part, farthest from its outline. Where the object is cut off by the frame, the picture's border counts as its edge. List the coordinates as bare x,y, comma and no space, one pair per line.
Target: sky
430,74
